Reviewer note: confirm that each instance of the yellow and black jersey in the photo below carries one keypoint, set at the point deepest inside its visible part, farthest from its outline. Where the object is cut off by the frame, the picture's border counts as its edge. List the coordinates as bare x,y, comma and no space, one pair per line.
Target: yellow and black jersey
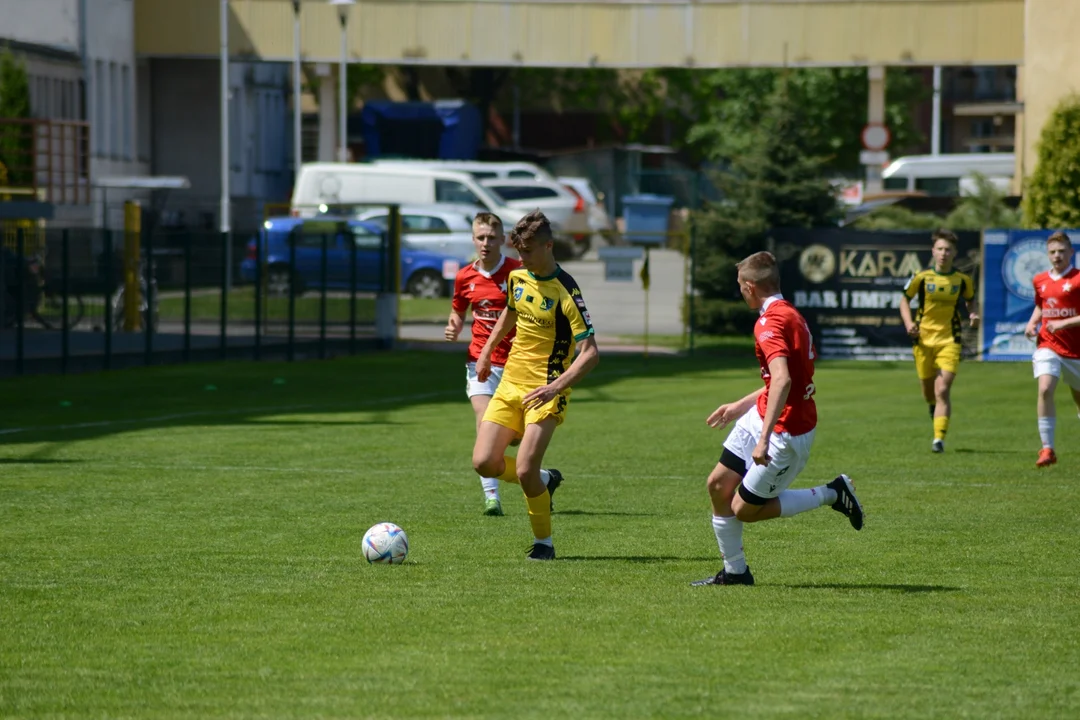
938,315
551,320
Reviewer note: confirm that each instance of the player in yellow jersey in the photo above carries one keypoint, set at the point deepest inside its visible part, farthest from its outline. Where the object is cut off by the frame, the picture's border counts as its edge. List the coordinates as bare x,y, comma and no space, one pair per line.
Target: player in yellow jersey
545,305
935,328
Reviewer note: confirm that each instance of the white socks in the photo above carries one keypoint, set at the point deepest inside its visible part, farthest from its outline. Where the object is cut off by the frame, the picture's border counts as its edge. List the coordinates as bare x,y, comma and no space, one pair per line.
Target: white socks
793,502
491,487
1046,431
728,531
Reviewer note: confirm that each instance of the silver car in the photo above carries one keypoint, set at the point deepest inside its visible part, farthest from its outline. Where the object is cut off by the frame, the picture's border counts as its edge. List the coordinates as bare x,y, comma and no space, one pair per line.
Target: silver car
567,211
443,228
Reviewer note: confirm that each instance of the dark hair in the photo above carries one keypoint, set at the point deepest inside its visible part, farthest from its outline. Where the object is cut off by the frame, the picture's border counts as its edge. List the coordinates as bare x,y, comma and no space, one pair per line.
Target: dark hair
942,234
761,269
1059,236
535,225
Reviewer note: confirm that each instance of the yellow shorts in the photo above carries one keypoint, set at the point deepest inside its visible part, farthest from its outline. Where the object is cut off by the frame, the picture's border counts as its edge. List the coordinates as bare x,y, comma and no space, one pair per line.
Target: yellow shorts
928,360
505,408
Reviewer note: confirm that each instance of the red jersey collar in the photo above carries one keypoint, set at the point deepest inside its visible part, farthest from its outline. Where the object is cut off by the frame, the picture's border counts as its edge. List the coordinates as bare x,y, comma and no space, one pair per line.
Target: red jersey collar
769,301
480,268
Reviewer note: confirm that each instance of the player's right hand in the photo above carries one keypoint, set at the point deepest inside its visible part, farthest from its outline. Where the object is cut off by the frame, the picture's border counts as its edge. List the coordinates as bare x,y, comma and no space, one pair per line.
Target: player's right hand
913,331
721,416
451,333
483,367
1031,331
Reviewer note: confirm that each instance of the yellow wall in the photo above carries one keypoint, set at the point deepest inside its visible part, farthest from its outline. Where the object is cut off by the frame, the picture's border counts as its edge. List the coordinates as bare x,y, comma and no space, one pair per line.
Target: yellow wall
1051,70
704,33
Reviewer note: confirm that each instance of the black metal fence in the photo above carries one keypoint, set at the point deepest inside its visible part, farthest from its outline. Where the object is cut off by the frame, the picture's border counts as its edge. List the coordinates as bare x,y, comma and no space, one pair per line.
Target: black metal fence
77,299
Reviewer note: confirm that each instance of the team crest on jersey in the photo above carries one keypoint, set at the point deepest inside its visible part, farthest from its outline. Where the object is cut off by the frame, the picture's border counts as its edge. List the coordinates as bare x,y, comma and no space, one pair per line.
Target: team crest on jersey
472,287
931,287
518,291
546,303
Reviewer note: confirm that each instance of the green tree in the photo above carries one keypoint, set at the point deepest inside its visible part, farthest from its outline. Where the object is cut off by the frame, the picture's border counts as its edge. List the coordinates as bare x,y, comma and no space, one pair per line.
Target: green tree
16,141
715,110
1052,196
773,181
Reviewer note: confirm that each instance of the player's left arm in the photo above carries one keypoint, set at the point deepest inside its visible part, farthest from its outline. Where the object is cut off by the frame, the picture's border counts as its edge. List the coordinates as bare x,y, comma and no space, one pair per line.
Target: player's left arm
779,388
587,358
972,304
1053,326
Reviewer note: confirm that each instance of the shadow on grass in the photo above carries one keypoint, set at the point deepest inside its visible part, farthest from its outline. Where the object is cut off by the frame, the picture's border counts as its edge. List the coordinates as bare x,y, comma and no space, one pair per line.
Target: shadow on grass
983,451
877,586
640,559
590,513
35,461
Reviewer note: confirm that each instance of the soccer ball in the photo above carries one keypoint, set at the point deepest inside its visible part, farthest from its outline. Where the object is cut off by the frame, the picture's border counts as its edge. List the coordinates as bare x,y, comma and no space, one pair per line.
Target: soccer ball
385,543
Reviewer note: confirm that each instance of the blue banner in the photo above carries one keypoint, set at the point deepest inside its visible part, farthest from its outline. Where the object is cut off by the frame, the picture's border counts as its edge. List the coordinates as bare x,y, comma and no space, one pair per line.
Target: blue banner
1011,260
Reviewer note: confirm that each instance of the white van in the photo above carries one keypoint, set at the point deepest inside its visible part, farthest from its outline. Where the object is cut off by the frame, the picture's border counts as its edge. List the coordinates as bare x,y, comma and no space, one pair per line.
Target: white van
948,175
477,168
322,186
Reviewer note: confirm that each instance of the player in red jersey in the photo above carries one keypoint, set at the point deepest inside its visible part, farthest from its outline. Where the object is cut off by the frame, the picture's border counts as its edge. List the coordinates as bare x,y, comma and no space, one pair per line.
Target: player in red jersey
482,285
771,440
1057,355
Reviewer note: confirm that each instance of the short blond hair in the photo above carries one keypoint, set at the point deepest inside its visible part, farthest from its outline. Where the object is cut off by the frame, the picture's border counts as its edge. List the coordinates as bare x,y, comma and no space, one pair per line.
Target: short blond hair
1061,237
492,220
762,270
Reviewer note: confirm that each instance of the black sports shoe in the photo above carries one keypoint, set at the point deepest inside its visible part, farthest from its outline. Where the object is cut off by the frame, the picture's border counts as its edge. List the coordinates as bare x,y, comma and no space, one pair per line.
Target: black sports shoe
554,481
846,502
725,578
540,551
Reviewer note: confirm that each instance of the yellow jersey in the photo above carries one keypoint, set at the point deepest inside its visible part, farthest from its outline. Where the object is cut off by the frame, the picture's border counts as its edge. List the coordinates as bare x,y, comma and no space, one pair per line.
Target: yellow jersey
938,315
551,320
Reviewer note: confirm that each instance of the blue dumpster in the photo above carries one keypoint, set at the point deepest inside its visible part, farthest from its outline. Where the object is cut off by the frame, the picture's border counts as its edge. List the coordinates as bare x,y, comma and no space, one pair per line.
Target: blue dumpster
646,218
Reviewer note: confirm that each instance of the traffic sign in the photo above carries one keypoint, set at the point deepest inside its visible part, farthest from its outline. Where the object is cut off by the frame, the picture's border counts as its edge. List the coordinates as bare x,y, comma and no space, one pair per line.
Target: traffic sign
873,157
875,136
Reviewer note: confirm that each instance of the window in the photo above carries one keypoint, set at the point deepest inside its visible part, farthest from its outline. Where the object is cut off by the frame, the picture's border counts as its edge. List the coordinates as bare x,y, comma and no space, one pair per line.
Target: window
364,238
126,112
115,110
101,103
521,174
423,223
523,192
379,220
483,174
311,234
451,191
942,187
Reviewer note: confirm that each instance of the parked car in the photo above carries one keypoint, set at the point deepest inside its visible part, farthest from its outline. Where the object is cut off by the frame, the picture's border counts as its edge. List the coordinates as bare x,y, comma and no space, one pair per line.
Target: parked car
479,169
565,209
440,228
599,220
950,174
351,188
423,274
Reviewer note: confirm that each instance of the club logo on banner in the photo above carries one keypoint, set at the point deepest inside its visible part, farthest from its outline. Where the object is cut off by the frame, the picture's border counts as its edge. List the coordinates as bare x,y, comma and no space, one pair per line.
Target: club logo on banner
1012,259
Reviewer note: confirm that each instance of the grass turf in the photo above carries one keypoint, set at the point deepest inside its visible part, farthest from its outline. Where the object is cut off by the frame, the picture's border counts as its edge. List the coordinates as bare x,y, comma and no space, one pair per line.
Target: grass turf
171,551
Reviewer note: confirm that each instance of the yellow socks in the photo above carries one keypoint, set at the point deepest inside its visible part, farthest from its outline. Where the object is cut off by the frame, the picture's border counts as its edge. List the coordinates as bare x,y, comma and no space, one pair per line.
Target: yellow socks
510,473
941,426
540,514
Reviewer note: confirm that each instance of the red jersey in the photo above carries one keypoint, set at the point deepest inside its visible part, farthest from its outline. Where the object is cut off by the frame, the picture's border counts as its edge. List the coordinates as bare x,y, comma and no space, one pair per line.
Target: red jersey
486,292
782,332
1059,300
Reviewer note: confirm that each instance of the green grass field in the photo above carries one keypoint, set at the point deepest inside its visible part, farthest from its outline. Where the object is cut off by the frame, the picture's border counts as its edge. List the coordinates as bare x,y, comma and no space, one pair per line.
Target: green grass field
172,551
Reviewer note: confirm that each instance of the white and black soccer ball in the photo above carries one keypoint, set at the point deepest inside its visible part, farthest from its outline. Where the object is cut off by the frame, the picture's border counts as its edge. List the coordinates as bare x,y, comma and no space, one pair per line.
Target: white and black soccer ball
385,543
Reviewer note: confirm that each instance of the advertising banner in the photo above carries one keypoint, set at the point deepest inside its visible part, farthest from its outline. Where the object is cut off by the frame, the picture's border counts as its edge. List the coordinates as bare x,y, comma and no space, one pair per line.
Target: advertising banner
849,284
1012,260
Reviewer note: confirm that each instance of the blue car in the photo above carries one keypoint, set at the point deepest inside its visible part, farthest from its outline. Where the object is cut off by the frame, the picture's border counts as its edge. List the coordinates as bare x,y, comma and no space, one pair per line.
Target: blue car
423,274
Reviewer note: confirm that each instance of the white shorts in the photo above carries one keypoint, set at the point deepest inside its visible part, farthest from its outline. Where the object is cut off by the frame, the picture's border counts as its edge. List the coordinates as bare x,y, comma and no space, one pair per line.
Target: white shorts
1047,362
789,455
475,387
